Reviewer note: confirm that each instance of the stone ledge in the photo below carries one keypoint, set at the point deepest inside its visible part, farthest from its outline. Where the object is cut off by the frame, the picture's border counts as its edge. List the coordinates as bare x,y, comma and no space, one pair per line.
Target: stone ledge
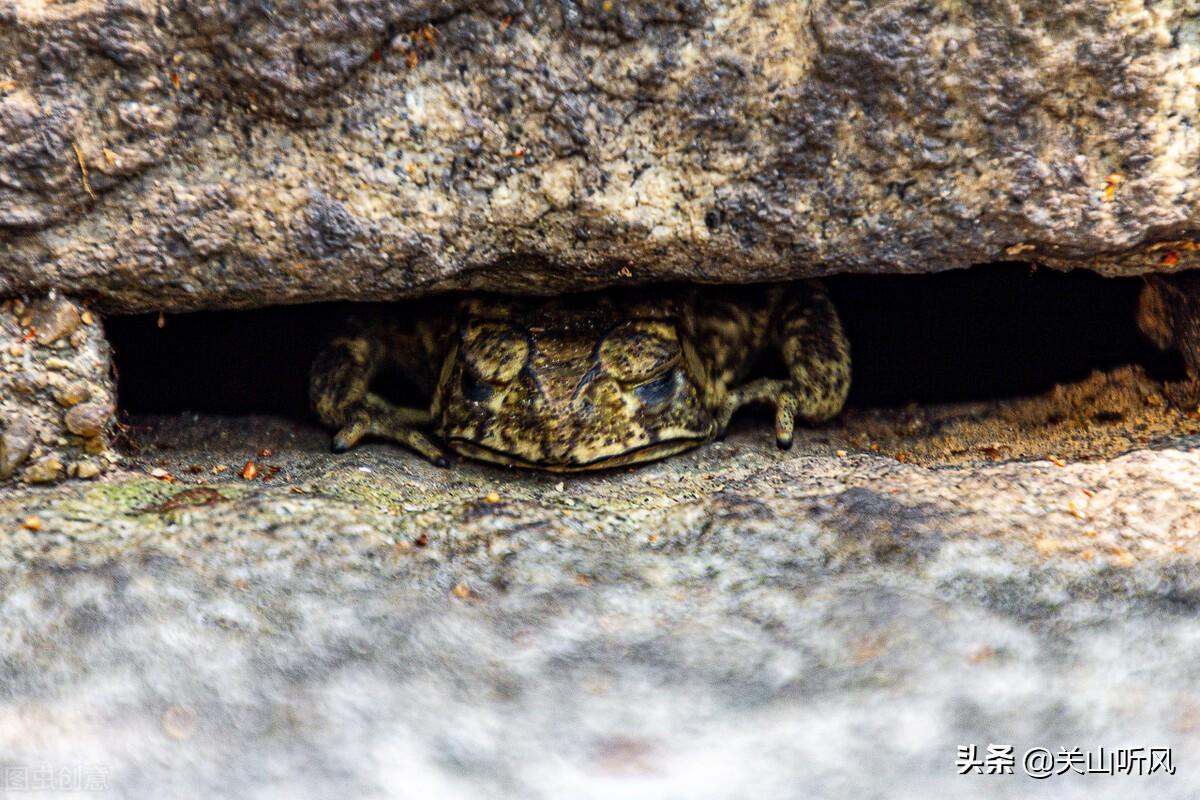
176,157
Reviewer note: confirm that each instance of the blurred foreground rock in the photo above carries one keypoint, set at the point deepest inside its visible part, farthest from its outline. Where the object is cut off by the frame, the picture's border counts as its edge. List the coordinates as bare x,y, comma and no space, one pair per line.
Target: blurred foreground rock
730,623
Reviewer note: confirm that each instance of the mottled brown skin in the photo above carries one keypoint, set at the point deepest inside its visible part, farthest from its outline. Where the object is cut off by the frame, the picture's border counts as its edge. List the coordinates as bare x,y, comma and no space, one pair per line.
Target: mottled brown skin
1169,315
585,381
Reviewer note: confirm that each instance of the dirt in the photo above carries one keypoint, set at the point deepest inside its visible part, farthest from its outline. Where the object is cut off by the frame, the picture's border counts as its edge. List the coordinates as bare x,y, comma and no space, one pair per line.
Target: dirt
1104,416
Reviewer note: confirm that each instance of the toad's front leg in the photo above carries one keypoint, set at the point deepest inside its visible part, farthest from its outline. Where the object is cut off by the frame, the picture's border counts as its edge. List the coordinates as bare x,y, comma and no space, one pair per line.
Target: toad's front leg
808,334
340,392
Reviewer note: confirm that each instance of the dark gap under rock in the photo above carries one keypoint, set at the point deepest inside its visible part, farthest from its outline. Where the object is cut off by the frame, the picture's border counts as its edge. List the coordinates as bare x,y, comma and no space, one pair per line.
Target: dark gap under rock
988,333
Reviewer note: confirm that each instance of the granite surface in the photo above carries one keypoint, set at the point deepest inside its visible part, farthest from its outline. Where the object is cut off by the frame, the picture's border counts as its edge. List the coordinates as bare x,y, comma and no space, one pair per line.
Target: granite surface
171,155
729,623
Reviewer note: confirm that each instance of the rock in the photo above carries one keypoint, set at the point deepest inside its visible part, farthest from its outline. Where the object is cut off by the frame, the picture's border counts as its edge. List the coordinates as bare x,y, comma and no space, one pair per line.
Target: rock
37,382
84,469
798,624
15,445
88,420
71,394
46,469
239,157
54,319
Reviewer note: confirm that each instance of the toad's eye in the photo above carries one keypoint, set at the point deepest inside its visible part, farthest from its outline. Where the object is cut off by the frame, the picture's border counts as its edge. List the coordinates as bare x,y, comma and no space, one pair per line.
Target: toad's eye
494,351
657,391
638,351
474,389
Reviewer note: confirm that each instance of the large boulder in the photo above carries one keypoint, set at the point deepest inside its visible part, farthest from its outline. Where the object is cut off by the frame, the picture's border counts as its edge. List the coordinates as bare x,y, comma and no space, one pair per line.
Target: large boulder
172,155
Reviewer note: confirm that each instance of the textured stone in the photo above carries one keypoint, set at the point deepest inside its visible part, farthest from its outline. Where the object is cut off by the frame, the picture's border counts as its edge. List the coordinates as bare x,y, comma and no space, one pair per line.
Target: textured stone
85,470
15,446
71,394
46,469
181,155
53,319
731,623
39,376
88,420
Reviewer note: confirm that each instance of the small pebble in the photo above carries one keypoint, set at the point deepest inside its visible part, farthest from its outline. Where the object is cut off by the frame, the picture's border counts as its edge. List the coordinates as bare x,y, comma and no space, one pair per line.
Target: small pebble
54,319
88,419
86,469
16,443
71,394
46,469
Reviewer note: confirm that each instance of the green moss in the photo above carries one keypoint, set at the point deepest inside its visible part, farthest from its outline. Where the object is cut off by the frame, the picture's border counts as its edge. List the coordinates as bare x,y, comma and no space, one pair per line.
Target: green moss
137,495
126,496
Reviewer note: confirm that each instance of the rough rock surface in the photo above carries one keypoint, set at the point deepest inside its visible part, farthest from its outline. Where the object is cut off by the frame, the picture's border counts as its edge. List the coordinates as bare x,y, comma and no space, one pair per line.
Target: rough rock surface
56,392
182,155
730,623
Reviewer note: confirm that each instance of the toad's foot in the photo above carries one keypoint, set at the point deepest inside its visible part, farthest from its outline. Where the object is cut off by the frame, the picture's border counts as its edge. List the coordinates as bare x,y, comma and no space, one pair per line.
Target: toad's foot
788,397
340,392
808,336
377,417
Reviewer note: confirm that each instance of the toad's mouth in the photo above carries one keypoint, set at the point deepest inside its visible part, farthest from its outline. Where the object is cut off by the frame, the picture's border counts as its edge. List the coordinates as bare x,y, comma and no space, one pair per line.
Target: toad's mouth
634,455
